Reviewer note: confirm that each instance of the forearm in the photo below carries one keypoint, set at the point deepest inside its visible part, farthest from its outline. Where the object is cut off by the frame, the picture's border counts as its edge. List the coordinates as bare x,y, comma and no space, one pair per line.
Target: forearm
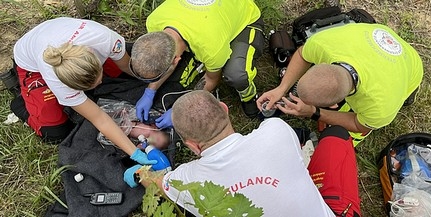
212,79
114,133
297,67
347,120
123,64
105,125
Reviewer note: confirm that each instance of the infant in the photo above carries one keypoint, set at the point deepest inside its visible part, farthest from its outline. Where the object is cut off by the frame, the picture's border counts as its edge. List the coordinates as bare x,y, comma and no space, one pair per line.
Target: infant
155,136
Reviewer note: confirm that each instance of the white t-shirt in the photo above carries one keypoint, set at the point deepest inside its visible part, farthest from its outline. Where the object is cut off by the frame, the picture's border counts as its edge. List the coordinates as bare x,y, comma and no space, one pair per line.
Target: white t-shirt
28,51
265,165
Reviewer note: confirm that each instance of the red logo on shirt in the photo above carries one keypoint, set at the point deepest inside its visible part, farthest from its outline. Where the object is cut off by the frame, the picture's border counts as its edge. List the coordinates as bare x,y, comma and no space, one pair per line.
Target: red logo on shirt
258,180
76,33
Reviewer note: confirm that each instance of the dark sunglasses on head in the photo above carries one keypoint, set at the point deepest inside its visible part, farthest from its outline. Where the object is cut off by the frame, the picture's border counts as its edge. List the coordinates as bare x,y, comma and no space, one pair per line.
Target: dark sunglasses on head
146,80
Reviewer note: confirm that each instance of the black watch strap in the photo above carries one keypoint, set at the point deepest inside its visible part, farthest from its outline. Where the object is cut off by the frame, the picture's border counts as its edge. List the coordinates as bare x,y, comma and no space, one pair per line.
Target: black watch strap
136,178
316,114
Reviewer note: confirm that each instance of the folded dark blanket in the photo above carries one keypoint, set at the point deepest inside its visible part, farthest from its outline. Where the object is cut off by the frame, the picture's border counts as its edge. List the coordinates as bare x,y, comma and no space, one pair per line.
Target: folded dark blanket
102,169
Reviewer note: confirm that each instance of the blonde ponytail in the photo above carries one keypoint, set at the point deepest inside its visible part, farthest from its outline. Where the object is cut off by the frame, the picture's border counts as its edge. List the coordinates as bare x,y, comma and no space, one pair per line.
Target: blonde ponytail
75,65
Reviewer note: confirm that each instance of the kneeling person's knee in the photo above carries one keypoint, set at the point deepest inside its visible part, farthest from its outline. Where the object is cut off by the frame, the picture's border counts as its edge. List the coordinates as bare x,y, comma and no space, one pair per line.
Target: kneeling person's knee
55,134
336,131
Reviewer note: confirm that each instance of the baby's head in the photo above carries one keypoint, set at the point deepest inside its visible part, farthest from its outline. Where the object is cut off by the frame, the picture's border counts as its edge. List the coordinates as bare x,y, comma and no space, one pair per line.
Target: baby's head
155,136
159,139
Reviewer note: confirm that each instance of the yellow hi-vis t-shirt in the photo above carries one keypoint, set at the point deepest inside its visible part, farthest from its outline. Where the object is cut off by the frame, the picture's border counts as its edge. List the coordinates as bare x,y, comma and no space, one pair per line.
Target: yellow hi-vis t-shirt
208,26
389,68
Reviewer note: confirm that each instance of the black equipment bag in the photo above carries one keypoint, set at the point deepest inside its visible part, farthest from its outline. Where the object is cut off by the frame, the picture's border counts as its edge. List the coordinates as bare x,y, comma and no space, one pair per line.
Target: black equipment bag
324,18
282,45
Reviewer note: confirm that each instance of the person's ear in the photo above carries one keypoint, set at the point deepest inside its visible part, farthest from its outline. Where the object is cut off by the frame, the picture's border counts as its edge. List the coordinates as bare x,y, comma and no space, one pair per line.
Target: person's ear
176,60
194,146
333,106
224,106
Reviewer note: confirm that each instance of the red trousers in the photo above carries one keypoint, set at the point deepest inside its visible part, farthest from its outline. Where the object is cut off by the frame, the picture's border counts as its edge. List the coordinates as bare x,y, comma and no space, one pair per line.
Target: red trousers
334,171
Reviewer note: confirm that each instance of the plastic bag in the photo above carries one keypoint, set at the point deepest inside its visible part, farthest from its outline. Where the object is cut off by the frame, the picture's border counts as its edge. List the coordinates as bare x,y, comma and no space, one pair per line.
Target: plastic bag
409,201
122,112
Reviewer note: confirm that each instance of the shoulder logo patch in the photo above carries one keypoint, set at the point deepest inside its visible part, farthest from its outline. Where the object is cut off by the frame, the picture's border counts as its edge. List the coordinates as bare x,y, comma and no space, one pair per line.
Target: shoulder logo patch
387,42
118,46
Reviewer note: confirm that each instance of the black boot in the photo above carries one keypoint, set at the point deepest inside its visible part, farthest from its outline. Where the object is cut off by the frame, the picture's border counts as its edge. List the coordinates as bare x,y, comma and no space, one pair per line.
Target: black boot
250,108
10,81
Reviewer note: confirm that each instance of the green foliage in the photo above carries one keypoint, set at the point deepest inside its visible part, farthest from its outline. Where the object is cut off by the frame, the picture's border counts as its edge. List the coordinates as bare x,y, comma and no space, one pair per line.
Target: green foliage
271,13
131,12
151,199
407,26
48,11
165,210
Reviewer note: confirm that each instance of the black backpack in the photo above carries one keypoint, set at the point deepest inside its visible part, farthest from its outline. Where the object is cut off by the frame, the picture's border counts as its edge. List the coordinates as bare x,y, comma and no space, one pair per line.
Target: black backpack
282,45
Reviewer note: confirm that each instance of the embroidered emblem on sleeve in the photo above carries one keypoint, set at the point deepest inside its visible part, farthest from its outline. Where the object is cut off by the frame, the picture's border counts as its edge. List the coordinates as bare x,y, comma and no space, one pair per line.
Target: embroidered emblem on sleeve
118,46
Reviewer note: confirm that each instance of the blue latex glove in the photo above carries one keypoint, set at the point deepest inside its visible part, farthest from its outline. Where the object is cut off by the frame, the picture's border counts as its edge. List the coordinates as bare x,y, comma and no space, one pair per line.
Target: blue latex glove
142,158
144,104
129,176
165,120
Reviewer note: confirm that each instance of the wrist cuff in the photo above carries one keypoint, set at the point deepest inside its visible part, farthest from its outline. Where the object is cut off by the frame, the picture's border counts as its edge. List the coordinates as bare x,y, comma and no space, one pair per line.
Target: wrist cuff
316,114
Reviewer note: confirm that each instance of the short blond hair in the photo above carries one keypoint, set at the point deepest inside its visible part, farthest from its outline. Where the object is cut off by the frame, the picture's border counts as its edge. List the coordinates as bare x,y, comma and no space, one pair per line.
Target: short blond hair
324,85
76,66
152,54
198,116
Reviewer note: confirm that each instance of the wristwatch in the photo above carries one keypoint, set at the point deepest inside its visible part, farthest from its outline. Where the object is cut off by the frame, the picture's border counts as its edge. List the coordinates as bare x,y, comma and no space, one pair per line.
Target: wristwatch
136,177
316,114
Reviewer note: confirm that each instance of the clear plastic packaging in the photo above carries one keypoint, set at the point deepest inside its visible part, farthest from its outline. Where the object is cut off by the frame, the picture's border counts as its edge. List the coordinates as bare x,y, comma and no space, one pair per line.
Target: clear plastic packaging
409,201
122,112
412,197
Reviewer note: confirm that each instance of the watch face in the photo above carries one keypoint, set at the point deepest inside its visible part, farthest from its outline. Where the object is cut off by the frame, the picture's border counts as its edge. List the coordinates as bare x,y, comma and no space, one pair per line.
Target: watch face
100,198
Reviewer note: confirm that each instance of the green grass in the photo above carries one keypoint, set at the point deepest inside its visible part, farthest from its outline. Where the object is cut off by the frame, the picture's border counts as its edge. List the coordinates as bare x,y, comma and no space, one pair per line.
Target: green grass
29,177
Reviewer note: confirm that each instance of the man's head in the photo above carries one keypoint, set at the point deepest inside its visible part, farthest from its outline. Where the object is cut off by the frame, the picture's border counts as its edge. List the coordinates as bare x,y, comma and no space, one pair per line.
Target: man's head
152,55
198,117
324,85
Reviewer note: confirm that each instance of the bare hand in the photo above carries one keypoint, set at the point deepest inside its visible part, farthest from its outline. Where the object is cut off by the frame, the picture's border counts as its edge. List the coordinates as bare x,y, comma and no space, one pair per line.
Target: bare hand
297,109
272,96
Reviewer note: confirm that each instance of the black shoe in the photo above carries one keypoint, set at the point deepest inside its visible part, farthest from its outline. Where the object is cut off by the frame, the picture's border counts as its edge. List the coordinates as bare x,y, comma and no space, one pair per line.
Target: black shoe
250,108
10,81
411,99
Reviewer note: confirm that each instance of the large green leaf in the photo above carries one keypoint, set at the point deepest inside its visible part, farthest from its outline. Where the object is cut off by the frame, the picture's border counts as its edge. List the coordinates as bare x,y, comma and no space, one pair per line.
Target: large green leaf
166,209
209,199
151,199
242,206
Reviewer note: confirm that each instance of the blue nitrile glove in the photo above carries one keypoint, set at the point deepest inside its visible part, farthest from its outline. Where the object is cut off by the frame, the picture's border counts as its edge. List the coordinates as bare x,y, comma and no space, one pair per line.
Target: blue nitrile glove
165,120
129,176
142,158
144,104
